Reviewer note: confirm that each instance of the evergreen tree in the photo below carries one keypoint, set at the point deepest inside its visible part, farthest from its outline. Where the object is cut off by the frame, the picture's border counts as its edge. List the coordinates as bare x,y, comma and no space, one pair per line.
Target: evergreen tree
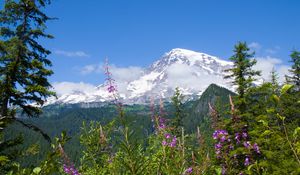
274,81
242,73
179,113
23,61
295,70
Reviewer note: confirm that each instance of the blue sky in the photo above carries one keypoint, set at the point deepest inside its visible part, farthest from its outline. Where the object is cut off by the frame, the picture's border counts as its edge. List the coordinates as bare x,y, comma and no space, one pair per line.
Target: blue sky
138,32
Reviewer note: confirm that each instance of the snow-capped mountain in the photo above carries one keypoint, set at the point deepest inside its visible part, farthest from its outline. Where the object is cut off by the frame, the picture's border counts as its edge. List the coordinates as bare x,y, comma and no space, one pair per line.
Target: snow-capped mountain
191,71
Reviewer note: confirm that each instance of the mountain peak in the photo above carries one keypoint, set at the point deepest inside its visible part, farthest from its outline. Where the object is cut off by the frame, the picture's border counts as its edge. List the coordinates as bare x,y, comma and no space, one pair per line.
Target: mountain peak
178,51
191,71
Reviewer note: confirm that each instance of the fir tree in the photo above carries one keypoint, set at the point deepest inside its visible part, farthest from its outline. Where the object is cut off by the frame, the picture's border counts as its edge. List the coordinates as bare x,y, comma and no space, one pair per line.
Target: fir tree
295,70
23,61
242,73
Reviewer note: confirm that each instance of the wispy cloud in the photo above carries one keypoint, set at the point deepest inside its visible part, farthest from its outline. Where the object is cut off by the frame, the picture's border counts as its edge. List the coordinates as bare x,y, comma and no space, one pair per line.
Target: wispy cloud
255,46
71,53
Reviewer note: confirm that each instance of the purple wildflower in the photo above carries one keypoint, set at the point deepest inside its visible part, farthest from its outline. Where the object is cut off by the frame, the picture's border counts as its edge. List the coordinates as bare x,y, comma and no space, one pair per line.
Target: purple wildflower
218,146
67,166
247,161
66,169
223,138
164,143
247,145
237,137
167,135
223,170
215,135
70,170
256,148
244,135
220,133
161,122
189,170
111,88
173,142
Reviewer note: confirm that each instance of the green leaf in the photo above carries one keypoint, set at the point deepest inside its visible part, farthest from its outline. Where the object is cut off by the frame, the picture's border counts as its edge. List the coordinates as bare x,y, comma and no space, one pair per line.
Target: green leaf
3,160
37,170
285,88
266,133
280,117
271,110
265,123
296,131
275,98
250,167
218,171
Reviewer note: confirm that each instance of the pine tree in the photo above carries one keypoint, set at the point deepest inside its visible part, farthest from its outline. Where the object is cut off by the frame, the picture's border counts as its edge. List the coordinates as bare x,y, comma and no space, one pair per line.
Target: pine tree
295,70
242,73
23,61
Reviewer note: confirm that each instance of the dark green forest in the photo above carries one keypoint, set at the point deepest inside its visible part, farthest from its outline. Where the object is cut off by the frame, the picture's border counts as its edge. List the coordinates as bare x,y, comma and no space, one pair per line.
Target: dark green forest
253,131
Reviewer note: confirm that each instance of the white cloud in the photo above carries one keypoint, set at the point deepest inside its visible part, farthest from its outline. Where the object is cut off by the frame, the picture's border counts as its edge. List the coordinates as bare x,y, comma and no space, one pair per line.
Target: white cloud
180,75
92,68
122,75
255,46
126,74
71,53
68,87
273,50
266,64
